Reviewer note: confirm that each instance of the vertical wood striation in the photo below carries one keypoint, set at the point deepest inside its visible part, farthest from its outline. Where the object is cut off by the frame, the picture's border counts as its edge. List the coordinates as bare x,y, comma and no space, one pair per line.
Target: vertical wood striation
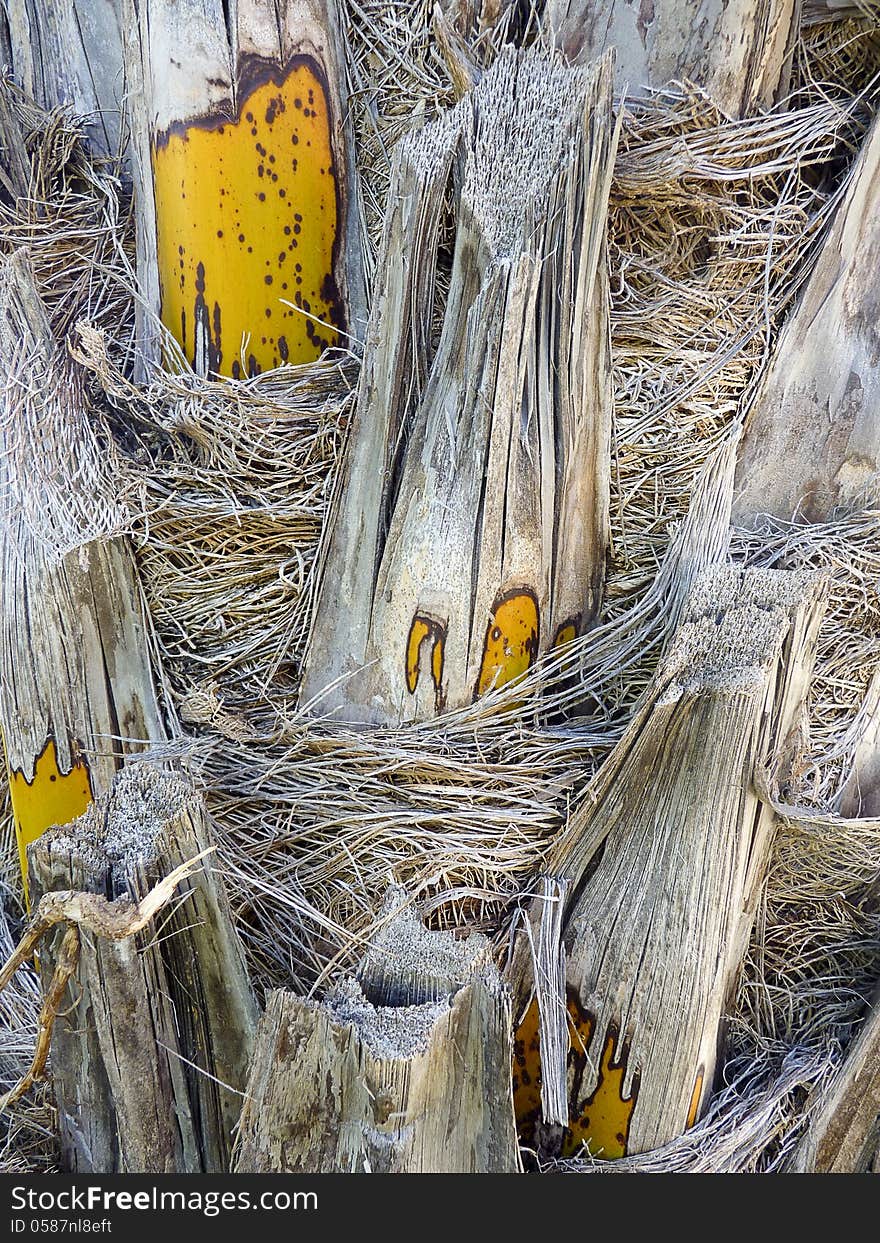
150,1063
662,867
472,518
70,52
738,51
812,437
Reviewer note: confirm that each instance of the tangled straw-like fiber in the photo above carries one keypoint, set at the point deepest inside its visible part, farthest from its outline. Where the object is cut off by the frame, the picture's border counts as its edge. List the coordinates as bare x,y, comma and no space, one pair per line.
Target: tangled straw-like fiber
713,226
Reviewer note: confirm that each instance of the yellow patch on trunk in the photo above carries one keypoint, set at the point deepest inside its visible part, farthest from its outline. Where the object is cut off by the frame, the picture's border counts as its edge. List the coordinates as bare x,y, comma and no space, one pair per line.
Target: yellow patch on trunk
51,798
511,642
527,1075
601,1121
246,216
565,634
425,628
604,1118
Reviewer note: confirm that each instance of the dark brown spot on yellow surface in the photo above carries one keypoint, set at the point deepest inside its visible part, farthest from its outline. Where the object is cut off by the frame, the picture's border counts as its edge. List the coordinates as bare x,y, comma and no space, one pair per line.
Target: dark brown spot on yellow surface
602,1119
205,171
527,1075
511,643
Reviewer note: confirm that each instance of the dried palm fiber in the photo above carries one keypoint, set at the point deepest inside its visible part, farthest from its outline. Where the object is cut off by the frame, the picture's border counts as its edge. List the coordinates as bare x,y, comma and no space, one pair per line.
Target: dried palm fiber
839,58
737,170
814,958
459,808
762,193
658,466
76,687
819,12
813,962
843,1132
28,1142
236,480
846,547
398,78
28,1133
834,483
63,498
811,438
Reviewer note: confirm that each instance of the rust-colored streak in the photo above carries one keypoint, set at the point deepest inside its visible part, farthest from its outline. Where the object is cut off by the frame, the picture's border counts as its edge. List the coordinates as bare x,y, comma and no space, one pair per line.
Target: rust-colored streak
696,1098
425,628
246,217
51,798
511,643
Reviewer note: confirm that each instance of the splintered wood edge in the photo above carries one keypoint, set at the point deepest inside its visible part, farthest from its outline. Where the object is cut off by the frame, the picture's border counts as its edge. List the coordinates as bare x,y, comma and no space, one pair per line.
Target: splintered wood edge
409,978
559,133
736,628
408,964
126,826
722,603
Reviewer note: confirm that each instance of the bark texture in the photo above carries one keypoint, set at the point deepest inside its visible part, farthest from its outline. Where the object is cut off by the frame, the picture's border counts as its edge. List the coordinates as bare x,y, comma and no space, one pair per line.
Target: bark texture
843,1136
402,1069
738,51
151,1061
472,519
812,438
659,872
77,690
244,167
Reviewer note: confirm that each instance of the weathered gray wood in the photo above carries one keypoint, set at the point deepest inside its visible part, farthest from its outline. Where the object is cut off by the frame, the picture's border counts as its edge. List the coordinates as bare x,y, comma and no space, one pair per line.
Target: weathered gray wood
77,689
472,19
405,1069
660,870
738,51
843,1133
70,52
472,519
818,12
150,1064
245,178
812,437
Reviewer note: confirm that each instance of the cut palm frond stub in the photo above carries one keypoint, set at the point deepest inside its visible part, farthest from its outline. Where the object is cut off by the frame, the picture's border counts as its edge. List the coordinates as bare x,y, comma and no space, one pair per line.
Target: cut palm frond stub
77,687
660,871
738,51
248,225
812,437
472,521
150,1065
403,1068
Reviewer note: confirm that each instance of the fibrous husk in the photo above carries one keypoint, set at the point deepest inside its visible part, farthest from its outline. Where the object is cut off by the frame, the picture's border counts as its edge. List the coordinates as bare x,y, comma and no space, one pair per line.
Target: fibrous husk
713,227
